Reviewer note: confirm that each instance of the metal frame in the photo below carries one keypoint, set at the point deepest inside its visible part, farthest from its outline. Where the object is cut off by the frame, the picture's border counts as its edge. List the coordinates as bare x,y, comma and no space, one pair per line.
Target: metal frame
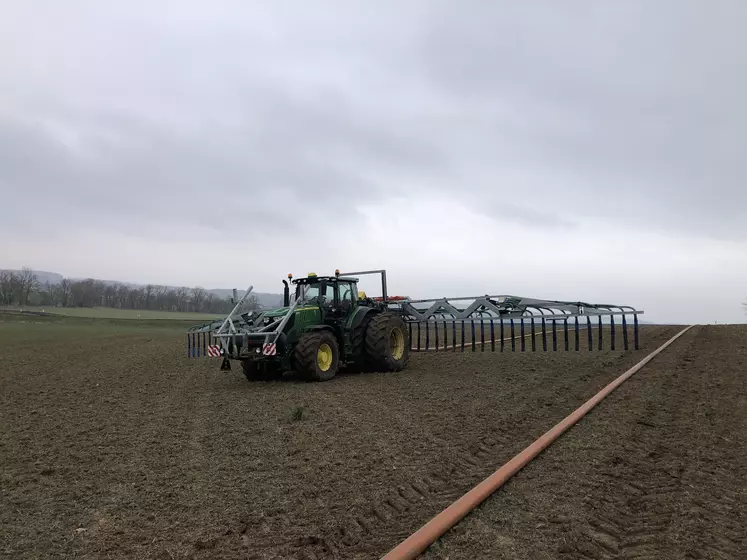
270,336
222,336
497,310
365,272
195,340
482,310
487,307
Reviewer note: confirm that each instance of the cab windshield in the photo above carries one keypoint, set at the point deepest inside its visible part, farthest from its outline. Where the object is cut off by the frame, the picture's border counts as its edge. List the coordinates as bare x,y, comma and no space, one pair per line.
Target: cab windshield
318,293
310,291
306,292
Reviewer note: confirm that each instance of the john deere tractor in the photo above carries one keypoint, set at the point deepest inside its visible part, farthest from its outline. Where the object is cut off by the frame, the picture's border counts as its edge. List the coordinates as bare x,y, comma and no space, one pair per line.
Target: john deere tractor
327,324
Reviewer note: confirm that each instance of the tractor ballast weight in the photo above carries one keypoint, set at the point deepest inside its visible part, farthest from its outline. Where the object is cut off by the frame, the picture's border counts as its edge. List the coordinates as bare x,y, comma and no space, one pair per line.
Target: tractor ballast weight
328,324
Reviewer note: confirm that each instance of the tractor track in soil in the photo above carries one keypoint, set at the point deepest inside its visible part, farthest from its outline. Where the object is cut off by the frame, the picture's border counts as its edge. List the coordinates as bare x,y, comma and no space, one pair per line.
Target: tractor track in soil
388,512
119,446
657,471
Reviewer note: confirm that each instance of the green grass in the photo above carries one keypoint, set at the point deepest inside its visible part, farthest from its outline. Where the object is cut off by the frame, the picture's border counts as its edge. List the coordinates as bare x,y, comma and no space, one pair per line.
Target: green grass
22,329
112,313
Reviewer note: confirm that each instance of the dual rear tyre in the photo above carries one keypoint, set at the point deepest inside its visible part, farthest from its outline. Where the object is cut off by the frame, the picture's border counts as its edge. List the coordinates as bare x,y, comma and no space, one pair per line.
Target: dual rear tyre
386,343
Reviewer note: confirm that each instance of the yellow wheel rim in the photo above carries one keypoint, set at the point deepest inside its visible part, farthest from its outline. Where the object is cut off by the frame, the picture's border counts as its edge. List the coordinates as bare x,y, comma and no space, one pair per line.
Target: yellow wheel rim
397,343
324,357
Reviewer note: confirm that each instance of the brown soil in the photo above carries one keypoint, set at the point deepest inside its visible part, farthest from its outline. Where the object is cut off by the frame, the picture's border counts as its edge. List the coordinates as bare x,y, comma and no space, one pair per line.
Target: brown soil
658,470
117,445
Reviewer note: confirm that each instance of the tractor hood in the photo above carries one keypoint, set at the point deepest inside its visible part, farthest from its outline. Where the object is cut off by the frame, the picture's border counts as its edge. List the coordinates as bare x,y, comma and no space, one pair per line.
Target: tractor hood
279,312
249,321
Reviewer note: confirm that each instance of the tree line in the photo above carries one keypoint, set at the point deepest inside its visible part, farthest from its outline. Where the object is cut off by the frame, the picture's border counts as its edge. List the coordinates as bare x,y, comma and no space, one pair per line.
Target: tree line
24,289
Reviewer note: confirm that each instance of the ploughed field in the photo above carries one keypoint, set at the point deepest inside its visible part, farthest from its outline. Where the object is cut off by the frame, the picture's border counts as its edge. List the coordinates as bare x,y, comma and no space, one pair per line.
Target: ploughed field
114,444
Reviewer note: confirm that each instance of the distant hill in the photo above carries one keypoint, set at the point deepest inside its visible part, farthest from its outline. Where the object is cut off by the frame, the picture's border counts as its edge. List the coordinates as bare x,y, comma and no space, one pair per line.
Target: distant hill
53,278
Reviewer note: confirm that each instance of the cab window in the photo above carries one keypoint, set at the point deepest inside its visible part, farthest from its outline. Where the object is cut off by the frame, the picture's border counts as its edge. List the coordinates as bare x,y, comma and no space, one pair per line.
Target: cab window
310,291
328,294
346,295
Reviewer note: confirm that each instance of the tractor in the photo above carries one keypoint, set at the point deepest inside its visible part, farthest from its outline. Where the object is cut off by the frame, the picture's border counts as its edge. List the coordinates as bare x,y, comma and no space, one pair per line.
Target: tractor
326,325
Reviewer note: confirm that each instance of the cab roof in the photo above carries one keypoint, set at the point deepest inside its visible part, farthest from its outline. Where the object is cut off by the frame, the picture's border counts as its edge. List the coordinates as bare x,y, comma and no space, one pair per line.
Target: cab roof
315,279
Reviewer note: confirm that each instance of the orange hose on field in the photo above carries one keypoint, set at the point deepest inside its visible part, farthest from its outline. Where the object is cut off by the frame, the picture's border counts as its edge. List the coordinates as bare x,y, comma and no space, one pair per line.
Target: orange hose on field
419,541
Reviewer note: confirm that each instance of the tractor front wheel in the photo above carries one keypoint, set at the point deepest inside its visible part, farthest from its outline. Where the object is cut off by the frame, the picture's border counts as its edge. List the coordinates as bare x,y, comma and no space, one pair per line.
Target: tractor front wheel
387,342
317,356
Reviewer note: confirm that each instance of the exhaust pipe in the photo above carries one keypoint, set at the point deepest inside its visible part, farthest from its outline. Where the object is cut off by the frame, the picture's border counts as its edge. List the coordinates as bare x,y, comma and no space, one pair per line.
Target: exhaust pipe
286,294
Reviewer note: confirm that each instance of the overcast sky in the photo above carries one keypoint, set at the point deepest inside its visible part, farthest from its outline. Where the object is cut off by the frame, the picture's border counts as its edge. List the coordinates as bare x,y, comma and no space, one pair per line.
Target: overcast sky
569,150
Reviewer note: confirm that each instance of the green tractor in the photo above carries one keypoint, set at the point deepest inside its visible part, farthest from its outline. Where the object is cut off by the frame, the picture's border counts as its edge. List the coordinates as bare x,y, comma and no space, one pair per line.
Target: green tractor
326,325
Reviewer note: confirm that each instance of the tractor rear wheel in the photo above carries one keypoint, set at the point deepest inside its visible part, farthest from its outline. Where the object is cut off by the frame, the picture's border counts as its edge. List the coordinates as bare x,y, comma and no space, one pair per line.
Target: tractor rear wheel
360,361
317,356
387,342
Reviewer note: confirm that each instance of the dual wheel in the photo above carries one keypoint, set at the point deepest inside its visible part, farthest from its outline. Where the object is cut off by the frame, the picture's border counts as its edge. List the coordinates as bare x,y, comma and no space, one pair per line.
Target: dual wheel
385,347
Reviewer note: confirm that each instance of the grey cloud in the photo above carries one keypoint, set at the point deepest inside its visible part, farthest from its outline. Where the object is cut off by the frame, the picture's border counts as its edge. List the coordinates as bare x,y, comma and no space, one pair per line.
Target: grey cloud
277,159
537,113
638,107
505,211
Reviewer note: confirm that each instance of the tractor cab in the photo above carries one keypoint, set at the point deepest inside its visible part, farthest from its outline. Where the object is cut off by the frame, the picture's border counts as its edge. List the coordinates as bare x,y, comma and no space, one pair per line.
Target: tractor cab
337,295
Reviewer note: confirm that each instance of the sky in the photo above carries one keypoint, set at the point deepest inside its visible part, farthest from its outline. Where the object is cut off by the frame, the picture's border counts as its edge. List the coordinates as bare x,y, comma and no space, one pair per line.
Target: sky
581,150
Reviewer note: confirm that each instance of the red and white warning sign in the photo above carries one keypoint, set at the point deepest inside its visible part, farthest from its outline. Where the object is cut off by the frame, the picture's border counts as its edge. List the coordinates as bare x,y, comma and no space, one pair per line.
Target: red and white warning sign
213,351
268,349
